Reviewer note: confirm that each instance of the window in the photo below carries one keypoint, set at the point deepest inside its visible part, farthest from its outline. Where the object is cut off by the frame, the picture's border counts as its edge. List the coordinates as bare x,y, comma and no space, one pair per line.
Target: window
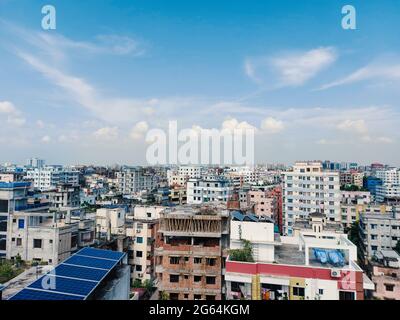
37,243
346,295
321,291
139,254
174,260
186,296
297,291
174,296
210,280
148,214
389,287
139,239
197,297
3,223
197,260
138,268
211,261
196,278
21,223
50,241
186,276
210,297
174,278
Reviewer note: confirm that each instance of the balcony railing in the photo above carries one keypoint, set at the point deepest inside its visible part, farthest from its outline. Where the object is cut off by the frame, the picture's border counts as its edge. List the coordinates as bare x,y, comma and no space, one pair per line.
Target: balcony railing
32,206
12,185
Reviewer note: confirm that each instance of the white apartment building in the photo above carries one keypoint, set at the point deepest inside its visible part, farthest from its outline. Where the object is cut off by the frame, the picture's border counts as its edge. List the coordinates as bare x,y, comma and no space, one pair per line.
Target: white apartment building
141,228
49,177
110,221
389,176
64,196
380,231
35,163
174,179
308,188
387,192
135,179
210,188
189,171
40,237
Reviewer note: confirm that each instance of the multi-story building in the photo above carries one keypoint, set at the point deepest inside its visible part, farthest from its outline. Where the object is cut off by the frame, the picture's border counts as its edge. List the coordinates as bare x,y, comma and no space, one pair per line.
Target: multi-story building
63,196
190,171
110,221
35,163
371,183
14,198
388,193
190,252
177,195
308,188
385,272
209,188
389,176
135,179
351,177
261,203
291,268
48,177
40,237
142,229
379,231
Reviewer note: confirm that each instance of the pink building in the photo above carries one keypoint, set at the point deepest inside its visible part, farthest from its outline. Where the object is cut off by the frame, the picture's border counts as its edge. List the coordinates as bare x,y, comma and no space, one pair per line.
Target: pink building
262,204
386,275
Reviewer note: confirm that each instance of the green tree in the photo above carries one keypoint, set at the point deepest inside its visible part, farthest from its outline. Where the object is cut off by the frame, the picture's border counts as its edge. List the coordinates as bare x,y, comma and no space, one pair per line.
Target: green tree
137,284
164,295
148,284
245,254
354,234
6,271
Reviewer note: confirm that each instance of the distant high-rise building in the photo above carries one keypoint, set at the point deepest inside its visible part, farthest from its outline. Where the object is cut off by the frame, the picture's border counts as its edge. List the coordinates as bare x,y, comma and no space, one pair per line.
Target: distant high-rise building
35,163
308,188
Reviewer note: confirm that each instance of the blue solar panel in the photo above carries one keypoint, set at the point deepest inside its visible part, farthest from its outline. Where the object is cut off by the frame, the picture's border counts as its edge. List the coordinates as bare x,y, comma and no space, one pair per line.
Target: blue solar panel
75,278
90,262
65,285
98,253
79,272
27,294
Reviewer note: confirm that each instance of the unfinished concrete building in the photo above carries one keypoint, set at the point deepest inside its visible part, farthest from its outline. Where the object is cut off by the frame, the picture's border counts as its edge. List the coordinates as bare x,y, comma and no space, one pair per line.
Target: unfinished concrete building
191,248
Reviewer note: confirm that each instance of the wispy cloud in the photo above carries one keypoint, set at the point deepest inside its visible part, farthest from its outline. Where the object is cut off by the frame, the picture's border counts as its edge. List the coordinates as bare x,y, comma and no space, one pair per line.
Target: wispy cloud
290,69
369,72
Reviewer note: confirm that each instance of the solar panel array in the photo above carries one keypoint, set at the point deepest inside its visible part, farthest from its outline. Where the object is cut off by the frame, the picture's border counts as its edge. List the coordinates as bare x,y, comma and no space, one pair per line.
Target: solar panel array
75,278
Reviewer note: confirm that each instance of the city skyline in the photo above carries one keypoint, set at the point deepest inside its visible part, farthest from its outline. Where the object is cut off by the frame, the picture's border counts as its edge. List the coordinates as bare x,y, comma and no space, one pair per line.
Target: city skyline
89,91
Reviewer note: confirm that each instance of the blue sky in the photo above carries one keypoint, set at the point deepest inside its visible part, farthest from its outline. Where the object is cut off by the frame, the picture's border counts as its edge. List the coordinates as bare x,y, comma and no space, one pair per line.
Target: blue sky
89,91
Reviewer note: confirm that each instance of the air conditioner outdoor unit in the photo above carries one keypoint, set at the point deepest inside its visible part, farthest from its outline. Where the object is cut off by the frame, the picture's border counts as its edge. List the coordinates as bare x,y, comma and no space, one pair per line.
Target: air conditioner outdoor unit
335,273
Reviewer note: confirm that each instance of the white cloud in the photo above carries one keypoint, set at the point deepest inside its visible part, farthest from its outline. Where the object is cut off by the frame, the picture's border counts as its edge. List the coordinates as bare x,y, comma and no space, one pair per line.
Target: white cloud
293,69
14,116
46,139
139,130
7,107
357,126
370,72
231,124
272,125
106,133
